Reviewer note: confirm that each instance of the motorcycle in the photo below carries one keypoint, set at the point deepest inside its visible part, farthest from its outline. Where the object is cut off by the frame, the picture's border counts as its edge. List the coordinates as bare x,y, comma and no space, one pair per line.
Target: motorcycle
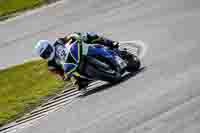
107,64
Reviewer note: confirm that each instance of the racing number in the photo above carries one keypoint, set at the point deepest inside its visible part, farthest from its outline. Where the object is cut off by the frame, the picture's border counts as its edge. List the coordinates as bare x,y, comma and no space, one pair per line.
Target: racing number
63,54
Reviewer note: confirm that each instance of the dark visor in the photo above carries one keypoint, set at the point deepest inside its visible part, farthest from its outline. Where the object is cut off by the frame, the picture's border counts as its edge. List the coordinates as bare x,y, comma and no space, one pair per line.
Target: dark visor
47,52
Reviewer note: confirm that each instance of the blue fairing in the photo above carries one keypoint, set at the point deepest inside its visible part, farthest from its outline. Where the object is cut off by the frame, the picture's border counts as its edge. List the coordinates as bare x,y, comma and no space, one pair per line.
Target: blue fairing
93,50
99,51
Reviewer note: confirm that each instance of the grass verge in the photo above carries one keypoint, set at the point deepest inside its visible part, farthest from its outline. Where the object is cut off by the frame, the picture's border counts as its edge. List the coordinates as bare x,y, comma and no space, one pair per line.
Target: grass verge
10,7
23,87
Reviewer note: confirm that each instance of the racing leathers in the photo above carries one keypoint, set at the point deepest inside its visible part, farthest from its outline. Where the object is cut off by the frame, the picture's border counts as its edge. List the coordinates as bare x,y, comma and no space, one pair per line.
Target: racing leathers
65,62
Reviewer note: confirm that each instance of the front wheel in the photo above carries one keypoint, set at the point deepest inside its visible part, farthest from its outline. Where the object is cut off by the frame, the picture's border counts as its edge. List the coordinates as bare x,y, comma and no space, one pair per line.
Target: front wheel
133,63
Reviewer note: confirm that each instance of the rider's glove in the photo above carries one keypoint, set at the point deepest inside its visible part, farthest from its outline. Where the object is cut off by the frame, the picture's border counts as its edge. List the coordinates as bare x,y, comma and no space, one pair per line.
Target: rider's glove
116,44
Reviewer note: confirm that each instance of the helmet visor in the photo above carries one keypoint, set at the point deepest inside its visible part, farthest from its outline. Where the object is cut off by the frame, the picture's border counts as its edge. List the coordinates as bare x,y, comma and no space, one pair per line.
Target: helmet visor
47,52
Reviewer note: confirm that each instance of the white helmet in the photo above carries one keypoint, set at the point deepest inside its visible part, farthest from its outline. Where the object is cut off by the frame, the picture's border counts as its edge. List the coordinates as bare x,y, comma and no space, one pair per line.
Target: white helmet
45,50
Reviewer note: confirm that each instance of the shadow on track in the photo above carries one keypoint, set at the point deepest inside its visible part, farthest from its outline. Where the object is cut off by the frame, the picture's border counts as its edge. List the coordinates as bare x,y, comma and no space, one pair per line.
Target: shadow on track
108,85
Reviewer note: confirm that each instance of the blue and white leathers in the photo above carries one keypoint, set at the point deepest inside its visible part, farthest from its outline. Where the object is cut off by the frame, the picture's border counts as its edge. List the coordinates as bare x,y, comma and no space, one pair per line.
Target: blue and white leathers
74,51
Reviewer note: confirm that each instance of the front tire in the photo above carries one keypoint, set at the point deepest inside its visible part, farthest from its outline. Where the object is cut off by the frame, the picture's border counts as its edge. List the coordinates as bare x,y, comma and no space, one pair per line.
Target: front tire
133,63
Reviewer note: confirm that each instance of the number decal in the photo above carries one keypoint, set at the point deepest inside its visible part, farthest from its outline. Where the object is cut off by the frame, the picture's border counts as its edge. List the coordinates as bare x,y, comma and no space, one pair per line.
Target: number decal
62,52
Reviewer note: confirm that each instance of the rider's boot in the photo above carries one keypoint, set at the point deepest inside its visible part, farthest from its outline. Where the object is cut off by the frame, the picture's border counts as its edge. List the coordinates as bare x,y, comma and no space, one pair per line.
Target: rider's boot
82,84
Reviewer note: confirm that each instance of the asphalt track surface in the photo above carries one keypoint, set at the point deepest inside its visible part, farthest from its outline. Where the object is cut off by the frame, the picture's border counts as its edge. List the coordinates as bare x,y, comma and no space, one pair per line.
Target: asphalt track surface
162,98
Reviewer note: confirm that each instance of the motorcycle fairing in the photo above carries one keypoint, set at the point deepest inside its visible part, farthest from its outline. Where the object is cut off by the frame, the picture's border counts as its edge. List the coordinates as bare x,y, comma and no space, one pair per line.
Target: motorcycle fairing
96,50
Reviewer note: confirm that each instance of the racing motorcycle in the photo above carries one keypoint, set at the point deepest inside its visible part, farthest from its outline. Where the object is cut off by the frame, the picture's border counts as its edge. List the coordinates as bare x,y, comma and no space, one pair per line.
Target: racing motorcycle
109,66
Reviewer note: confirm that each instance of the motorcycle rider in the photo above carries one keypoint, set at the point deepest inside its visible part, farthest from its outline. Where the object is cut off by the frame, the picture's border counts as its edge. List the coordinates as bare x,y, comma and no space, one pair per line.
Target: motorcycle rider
58,55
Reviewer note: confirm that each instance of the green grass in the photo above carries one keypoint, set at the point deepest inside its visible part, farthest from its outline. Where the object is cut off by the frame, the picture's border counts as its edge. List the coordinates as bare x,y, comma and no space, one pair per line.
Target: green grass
8,7
23,86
